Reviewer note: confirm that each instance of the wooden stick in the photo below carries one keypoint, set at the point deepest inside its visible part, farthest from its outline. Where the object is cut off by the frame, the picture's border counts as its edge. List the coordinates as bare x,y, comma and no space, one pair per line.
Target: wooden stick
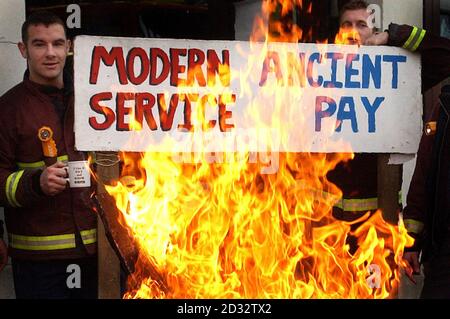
108,263
117,242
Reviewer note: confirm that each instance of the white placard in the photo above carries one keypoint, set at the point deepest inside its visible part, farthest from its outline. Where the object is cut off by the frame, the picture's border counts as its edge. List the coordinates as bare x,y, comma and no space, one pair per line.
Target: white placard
295,97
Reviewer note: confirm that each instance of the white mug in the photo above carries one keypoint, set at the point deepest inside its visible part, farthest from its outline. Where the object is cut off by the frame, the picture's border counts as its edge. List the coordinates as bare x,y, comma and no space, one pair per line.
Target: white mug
79,175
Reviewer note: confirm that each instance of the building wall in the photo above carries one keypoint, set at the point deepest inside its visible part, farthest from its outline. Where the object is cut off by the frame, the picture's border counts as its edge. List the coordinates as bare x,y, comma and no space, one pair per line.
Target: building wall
403,12
246,11
12,66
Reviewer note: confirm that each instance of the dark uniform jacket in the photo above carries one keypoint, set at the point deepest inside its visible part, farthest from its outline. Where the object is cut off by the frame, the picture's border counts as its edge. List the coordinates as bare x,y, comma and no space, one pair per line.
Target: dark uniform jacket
39,226
425,215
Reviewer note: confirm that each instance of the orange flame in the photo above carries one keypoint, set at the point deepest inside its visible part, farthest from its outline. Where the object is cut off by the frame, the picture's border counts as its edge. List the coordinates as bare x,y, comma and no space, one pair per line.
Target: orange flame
227,231
347,36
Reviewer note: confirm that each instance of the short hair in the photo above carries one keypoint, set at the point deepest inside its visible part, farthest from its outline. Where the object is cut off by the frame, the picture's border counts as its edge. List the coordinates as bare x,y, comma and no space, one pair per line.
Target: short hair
41,17
353,5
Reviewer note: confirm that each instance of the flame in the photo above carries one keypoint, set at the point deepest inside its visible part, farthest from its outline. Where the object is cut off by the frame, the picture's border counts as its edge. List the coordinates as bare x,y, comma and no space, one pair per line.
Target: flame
228,231
347,37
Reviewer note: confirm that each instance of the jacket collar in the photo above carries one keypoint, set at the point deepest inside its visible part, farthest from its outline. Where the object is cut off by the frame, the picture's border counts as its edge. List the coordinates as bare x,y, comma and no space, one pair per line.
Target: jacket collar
67,78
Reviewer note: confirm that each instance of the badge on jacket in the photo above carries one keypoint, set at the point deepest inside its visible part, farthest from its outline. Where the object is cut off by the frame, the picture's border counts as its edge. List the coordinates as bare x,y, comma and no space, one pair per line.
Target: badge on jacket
430,128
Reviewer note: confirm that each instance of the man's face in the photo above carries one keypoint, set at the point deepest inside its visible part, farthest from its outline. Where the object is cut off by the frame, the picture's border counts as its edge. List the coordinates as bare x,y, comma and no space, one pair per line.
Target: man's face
354,26
46,51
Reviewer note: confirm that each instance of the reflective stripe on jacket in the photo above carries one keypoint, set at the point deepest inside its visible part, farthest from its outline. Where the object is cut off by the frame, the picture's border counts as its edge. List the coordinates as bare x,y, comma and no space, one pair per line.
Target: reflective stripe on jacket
55,242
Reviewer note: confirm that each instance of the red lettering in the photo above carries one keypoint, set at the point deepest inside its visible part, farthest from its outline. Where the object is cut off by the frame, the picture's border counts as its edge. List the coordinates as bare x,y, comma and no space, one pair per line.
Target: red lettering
144,65
132,108
196,58
187,112
144,105
212,100
121,110
176,68
223,113
166,114
115,56
109,115
215,66
155,55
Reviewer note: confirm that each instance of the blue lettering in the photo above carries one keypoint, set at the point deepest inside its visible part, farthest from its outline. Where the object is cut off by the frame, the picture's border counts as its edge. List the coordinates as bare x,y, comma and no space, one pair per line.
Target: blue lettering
350,71
271,56
334,59
320,113
371,109
371,69
309,72
394,59
343,115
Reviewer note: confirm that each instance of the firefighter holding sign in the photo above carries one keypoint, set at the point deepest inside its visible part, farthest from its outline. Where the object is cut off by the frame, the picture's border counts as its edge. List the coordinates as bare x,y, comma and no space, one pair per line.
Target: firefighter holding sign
428,204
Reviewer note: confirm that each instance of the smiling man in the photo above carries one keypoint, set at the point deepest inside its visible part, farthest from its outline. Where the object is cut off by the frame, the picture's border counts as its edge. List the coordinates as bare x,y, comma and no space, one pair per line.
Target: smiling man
51,227
45,47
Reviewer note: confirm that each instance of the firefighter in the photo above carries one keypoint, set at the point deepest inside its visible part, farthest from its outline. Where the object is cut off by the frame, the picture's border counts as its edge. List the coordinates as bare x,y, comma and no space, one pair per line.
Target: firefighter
428,204
356,178
51,228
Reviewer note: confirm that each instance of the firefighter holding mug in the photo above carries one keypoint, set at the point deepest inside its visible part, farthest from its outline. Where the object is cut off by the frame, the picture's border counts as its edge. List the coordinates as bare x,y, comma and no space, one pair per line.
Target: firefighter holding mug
52,231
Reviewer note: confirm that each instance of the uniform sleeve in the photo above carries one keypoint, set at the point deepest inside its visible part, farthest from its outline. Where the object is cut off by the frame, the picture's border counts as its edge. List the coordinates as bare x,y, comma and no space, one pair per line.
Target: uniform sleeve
18,187
415,210
435,51
414,214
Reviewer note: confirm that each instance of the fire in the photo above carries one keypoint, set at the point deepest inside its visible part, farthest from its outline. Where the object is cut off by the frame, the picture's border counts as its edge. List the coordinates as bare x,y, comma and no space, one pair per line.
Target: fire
228,231
350,36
